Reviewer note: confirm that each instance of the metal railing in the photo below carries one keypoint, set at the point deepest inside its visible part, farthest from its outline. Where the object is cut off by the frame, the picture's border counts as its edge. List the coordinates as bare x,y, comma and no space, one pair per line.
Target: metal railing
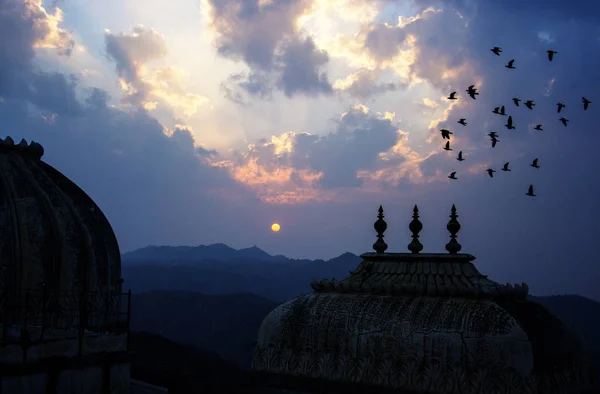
38,315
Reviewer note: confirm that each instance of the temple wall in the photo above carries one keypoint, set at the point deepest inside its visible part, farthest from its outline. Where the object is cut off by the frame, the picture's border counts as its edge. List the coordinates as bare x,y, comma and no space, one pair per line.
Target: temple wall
56,366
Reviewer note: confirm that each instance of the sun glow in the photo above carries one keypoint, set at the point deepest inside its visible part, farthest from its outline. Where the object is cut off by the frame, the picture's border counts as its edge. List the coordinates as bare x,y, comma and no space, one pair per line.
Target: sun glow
275,227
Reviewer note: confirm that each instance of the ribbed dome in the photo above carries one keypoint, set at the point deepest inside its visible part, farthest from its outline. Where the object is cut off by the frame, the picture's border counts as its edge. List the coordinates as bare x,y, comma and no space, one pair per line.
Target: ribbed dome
53,234
426,323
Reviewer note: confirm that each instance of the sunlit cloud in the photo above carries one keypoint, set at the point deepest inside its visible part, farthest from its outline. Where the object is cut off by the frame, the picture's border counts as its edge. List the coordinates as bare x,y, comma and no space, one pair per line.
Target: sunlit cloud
148,86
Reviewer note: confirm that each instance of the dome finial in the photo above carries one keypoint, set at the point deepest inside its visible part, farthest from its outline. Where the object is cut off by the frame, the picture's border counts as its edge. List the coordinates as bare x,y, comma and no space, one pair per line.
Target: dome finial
380,226
34,149
453,227
415,227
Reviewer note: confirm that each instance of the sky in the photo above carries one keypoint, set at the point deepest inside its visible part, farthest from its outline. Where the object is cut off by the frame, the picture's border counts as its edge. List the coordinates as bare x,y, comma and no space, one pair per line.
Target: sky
209,120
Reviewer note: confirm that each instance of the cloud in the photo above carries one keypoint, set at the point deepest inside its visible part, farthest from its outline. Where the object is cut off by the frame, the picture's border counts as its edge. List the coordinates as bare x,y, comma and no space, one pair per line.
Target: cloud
363,84
265,37
144,87
300,74
24,27
364,147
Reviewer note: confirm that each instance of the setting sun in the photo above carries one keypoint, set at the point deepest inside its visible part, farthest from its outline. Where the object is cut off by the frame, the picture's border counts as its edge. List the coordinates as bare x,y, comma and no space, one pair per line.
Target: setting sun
275,227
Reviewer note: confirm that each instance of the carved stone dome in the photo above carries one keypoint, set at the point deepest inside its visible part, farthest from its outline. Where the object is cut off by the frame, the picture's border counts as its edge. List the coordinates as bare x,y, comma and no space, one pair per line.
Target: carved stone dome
419,323
54,237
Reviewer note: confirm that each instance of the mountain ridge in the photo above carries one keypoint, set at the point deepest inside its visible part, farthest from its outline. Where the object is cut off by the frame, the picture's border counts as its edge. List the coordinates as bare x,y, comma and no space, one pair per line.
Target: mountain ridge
216,251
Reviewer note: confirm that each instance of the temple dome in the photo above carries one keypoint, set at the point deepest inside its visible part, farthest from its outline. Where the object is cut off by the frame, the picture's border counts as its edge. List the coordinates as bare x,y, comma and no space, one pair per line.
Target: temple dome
427,323
54,237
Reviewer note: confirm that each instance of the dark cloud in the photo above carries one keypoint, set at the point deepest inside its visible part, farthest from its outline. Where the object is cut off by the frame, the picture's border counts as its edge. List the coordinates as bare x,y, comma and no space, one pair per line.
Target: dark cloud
365,83
22,27
585,10
206,152
131,51
301,64
380,38
55,92
265,37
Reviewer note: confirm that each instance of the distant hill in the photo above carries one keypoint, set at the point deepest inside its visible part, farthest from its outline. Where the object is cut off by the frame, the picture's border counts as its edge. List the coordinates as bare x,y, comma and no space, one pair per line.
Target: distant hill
278,279
184,369
228,324
225,324
215,252
580,313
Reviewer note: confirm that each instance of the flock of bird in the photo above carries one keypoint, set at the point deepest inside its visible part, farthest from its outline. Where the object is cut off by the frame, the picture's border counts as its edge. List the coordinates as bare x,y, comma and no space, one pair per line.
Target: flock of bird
510,125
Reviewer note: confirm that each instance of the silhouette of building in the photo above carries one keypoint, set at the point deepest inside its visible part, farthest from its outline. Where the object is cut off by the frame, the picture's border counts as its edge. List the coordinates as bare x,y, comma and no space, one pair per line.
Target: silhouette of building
418,323
64,320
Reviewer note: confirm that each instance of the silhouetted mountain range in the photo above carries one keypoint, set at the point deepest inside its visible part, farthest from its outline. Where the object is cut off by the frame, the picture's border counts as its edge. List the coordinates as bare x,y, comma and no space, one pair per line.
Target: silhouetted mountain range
217,252
215,269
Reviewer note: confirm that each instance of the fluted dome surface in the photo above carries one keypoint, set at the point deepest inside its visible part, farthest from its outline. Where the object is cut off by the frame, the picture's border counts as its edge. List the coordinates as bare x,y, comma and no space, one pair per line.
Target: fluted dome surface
53,234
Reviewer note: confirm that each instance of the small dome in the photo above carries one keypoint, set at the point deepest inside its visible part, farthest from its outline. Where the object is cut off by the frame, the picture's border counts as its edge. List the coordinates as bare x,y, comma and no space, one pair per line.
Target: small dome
54,237
428,323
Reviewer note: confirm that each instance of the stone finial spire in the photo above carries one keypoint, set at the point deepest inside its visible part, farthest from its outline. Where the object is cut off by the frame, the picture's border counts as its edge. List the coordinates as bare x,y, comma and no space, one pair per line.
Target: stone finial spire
380,226
415,227
453,227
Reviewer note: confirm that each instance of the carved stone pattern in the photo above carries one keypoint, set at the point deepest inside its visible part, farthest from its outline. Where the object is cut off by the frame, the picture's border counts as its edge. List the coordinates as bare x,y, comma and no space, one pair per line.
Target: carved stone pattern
413,373
329,320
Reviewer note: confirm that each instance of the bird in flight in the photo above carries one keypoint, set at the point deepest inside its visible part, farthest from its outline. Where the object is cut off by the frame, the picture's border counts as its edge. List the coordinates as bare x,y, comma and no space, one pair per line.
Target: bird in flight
460,156
462,122
493,134
452,96
499,110
560,106
452,175
494,142
447,147
516,101
490,172
551,54
586,103
529,104
539,127
505,166
564,121
509,125
472,91
446,134
535,163
511,64
530,191
496,50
